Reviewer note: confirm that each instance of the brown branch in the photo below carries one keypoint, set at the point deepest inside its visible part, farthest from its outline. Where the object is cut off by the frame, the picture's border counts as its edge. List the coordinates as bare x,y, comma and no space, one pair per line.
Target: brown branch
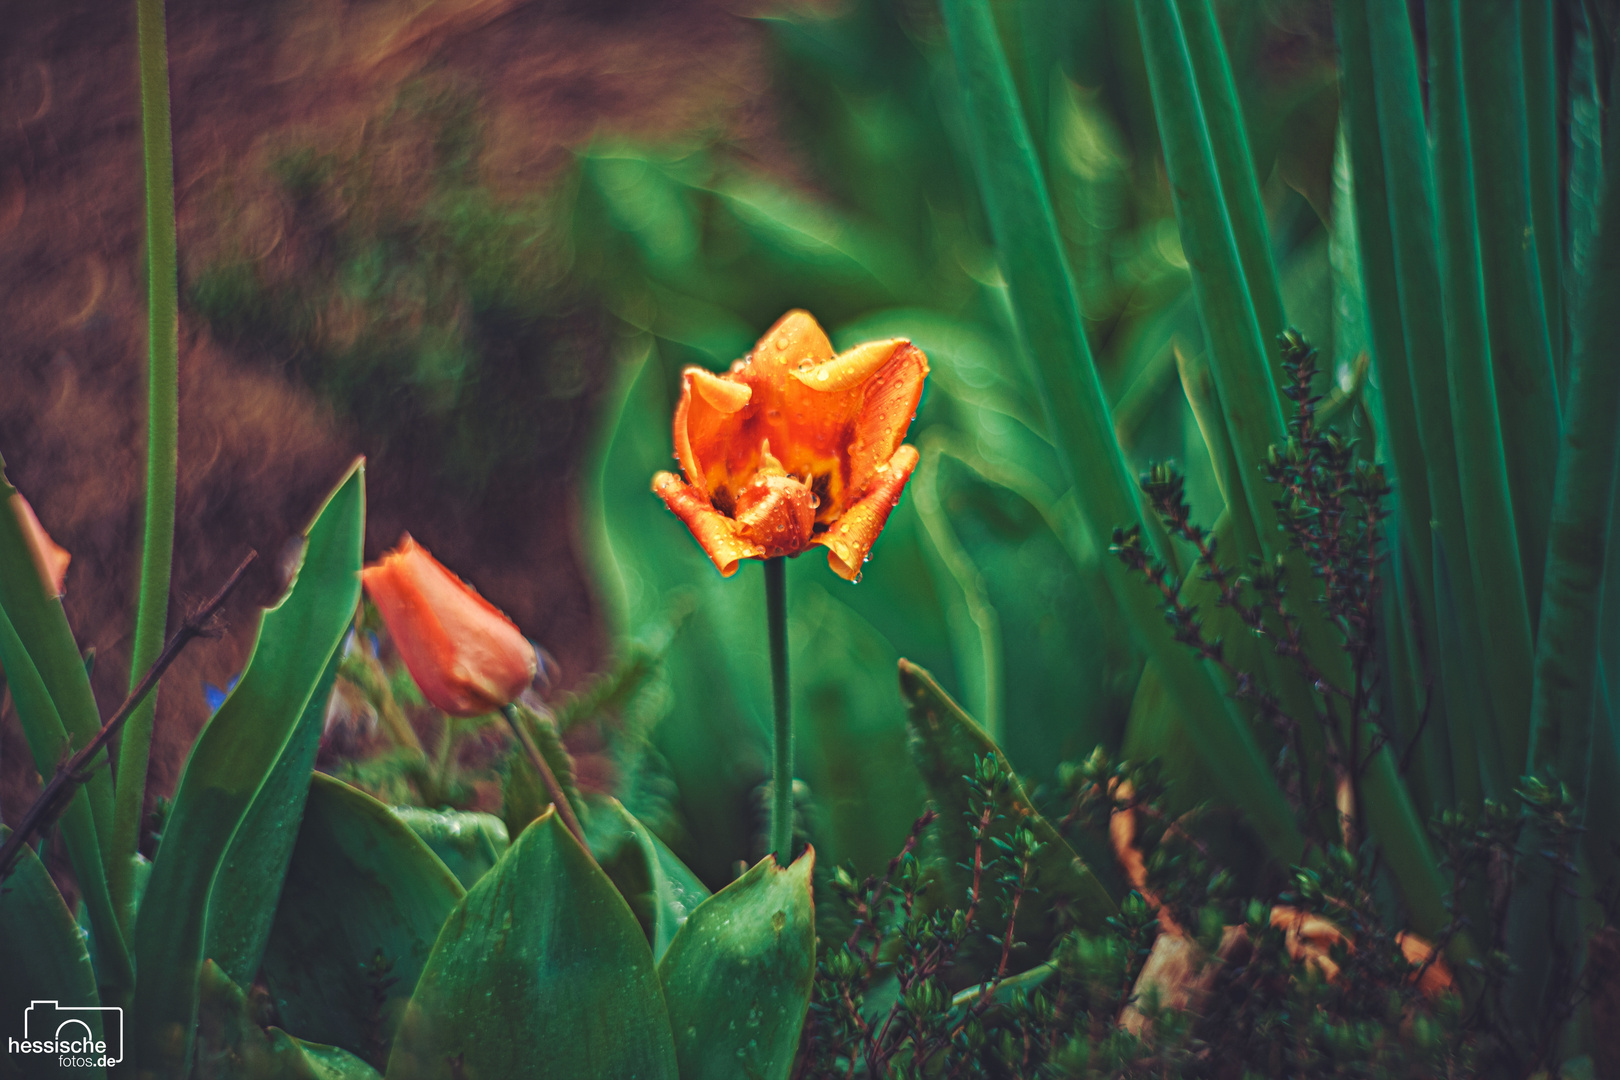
61,788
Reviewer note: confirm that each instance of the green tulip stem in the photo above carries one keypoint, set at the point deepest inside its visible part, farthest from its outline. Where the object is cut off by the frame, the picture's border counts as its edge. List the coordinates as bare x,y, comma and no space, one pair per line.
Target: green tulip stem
782,740
554,791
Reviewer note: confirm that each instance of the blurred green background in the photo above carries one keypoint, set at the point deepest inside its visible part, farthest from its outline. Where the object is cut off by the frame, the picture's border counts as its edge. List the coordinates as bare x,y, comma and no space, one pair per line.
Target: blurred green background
433,308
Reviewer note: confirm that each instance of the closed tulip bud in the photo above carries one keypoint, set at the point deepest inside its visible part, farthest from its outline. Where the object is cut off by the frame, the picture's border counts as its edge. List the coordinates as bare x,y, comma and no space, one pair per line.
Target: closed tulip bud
467,657
50,558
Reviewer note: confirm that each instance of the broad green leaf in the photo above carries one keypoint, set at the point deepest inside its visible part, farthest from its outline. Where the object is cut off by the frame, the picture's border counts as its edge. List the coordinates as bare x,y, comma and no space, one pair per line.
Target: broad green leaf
737,977
659,888
468,843
540,972
242,903
946,745
43,955
232,1046
49,744
228,767
363,901
43,627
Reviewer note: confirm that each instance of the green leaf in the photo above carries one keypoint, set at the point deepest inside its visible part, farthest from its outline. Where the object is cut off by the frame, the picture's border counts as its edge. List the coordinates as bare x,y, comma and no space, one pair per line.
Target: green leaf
49,744
42,624
946,744
468,843
228,767
241,905
1527,404
737,977
232,1046
1061,367
363,901
659,888
1483,549
541,972
44,958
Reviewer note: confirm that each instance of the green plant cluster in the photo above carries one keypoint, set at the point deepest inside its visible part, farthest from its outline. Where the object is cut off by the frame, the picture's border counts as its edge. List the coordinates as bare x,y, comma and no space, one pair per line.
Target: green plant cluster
407,292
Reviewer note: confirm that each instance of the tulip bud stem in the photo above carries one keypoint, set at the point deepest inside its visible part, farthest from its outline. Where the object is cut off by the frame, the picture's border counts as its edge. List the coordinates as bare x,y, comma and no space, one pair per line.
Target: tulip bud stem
782,741
554,791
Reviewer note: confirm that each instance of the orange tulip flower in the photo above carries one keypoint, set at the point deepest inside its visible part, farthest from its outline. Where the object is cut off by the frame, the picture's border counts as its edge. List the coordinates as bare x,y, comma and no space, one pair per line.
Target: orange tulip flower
795,446
467,657
50,558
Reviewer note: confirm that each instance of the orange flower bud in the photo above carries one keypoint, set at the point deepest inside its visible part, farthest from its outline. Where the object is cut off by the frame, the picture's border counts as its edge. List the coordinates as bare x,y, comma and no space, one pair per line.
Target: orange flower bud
795,447
465,655
50,558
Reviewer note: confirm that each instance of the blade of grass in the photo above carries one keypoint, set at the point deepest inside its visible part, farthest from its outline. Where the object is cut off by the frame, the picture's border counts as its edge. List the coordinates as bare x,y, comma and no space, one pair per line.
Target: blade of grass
1527,401
1376,255
1234,165
42,624
974,624
1500,596
1539,44
1238,359
50,745
162,443
1411,198
1062,369
1544,924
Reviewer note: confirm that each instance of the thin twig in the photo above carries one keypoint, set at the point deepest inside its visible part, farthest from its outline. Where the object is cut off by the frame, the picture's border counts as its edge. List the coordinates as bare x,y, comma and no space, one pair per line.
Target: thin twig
59,791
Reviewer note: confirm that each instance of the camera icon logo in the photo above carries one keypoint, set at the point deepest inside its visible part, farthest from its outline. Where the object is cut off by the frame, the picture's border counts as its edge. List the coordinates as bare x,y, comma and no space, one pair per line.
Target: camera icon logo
66,1029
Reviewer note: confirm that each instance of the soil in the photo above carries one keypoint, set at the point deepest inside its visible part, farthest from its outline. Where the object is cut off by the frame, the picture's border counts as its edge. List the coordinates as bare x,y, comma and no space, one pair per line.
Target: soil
258,449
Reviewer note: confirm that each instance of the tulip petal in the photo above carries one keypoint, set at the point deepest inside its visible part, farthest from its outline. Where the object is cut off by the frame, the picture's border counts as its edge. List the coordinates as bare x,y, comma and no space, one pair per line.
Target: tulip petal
892,394
717,534
465,655
706,424
851,537
849,368
777,513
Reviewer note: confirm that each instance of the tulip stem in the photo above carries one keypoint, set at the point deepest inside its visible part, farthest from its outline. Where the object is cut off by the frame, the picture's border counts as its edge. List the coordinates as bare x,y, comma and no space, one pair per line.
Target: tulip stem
782,734
554,790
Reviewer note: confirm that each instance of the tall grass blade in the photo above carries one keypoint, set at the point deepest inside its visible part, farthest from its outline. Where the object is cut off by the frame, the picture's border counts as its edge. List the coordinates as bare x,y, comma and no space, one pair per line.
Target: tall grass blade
1499,598
1499,150
1539,45
1048,314
162,442
1567,646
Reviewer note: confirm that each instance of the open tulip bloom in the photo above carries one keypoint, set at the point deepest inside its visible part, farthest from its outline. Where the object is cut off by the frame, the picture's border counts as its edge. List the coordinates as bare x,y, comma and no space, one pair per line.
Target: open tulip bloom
796,446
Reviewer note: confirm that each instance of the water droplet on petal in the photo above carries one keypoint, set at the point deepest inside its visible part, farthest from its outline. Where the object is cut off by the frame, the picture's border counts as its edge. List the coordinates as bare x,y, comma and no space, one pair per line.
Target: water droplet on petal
782,343
821,376
856,580
815,501
806,364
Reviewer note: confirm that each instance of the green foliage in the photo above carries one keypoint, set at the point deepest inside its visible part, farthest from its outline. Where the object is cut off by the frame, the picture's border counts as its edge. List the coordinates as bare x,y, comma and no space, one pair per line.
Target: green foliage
411,294
233,1044
362,903
227,771
541,969
43,954
737,976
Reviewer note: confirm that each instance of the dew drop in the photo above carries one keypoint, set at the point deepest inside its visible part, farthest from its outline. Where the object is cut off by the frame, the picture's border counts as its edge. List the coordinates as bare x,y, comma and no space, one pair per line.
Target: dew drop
782,343
821,376
806,364
856,580
815,501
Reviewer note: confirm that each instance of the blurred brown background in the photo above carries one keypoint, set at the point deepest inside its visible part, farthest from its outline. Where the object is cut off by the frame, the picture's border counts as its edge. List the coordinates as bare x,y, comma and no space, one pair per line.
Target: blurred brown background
260,440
